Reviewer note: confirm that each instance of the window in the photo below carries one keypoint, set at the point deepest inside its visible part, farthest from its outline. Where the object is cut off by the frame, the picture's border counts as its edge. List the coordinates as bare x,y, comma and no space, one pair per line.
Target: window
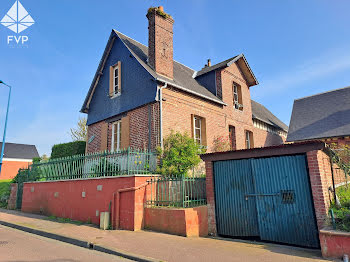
232,137
237,96
249,139
116,136
197,132
115,80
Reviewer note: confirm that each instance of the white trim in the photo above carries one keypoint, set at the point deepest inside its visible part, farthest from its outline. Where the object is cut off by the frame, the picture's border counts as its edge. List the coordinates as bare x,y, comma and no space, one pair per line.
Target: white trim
118,135
192,92
17,159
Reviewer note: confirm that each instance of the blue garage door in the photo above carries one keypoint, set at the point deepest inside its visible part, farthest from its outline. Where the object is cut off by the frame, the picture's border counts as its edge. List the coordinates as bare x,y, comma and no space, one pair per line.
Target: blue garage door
268,198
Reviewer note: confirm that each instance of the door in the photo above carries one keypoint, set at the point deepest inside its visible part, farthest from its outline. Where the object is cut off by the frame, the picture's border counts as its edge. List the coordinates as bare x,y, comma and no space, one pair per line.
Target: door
235,215
270,198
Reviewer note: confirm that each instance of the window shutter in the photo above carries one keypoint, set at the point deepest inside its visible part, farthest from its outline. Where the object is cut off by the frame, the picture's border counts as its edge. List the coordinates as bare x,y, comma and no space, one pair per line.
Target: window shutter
192,125
125,133
111,81
104,136
120,76
204,131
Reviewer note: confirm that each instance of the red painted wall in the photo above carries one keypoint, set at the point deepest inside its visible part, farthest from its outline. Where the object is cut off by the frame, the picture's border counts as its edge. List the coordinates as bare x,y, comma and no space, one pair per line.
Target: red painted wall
64,199
10,168
334,244
188,222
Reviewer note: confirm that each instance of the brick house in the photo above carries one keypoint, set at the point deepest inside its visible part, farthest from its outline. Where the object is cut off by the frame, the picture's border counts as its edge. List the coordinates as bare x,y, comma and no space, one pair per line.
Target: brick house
16,156
324,116
140,94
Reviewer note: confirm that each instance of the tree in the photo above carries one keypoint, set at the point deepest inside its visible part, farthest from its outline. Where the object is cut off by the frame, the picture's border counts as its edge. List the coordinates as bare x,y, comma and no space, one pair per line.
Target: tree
80,132
179,155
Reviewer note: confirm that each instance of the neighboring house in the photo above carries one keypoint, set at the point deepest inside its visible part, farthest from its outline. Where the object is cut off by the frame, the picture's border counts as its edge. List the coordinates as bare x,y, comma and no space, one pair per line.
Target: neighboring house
324,116
16,156
139,95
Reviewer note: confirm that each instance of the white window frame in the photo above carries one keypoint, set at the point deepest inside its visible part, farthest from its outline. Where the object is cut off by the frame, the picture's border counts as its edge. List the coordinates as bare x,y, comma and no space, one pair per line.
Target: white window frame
197,128
248,143
116,88
118,142
235,92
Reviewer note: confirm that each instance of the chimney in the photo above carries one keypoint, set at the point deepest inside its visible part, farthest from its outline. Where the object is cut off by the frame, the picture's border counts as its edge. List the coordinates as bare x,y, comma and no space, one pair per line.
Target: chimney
160,41
209,62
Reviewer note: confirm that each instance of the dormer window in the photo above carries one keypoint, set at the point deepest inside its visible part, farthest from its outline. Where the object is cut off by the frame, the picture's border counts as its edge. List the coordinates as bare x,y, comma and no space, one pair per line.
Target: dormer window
237,96
115,80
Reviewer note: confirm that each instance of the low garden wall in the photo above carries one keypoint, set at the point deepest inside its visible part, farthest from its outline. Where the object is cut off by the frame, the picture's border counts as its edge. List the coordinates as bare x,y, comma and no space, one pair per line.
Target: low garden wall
334,244
189,222
84,199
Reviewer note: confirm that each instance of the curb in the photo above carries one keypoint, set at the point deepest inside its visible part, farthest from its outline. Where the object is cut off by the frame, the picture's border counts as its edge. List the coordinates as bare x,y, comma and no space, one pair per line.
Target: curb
79,243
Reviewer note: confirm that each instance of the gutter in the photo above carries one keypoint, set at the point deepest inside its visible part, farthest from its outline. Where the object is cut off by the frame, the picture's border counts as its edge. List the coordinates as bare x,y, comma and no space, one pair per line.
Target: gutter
160,99
190,91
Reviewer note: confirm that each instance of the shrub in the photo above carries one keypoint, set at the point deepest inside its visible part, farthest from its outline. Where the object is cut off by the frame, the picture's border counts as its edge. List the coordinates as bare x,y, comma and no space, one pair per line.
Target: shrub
180,153
342,214
221,144
5,191
68,149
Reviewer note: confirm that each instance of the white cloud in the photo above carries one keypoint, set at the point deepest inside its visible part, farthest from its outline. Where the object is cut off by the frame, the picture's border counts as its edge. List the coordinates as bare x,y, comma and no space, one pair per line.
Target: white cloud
325,65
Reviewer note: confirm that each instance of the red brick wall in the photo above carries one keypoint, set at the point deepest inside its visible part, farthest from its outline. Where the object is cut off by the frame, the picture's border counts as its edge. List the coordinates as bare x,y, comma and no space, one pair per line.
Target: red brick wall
321,180
187,222
263,138
10,168
139,127
210,198
179,106
64,199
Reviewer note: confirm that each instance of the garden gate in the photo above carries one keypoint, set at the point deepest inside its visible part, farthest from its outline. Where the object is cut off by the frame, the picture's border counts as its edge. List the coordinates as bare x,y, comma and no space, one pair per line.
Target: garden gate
268,198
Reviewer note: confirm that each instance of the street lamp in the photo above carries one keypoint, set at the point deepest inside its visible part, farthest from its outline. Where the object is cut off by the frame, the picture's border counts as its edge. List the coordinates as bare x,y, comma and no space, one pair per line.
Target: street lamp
3,138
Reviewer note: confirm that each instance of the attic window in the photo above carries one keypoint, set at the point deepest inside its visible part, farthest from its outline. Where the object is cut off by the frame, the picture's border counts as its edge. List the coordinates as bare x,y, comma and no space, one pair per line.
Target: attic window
237,96
115,80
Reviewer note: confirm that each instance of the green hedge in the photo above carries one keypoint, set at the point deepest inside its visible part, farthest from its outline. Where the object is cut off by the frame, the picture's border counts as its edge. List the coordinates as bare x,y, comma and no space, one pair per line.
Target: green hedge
68,149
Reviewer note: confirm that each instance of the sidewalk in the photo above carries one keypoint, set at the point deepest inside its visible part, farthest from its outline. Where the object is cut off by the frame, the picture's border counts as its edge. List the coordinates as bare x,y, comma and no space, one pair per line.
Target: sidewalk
163,247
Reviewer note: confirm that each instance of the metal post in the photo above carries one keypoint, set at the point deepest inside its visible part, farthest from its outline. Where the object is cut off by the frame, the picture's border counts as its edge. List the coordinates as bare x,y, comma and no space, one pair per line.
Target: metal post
4,136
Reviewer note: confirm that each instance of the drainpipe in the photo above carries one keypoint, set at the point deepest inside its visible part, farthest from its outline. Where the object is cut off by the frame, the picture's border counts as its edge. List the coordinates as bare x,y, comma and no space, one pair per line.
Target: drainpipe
161,113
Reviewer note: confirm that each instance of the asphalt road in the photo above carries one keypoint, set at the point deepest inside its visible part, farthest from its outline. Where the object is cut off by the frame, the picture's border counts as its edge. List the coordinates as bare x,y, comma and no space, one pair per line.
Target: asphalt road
24,247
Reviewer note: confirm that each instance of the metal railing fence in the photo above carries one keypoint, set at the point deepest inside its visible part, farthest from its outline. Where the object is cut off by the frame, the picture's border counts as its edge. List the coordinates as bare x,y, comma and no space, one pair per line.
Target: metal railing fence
105,164
176,192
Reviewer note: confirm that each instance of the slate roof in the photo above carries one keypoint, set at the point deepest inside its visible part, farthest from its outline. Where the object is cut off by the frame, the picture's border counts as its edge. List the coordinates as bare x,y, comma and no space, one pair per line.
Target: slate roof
263,114
183,75
216,66
184,78
321,116
19,151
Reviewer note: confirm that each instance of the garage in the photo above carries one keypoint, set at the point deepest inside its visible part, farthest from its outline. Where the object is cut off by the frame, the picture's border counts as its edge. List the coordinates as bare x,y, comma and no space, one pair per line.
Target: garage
271,194
269,198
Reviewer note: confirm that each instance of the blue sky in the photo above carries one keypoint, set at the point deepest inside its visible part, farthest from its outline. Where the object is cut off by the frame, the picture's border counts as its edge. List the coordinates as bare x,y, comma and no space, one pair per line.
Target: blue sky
295,48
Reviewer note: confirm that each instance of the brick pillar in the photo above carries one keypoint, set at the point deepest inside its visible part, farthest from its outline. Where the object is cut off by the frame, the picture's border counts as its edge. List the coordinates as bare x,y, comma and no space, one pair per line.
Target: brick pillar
320,180
210,198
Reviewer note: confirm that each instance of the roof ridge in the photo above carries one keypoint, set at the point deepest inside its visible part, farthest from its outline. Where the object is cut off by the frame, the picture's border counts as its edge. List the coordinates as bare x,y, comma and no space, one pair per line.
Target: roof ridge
147,48
322,93
16,144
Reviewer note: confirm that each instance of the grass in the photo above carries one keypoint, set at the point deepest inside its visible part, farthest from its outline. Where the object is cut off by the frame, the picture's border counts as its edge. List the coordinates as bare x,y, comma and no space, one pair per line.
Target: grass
5,190
64,220
342,214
